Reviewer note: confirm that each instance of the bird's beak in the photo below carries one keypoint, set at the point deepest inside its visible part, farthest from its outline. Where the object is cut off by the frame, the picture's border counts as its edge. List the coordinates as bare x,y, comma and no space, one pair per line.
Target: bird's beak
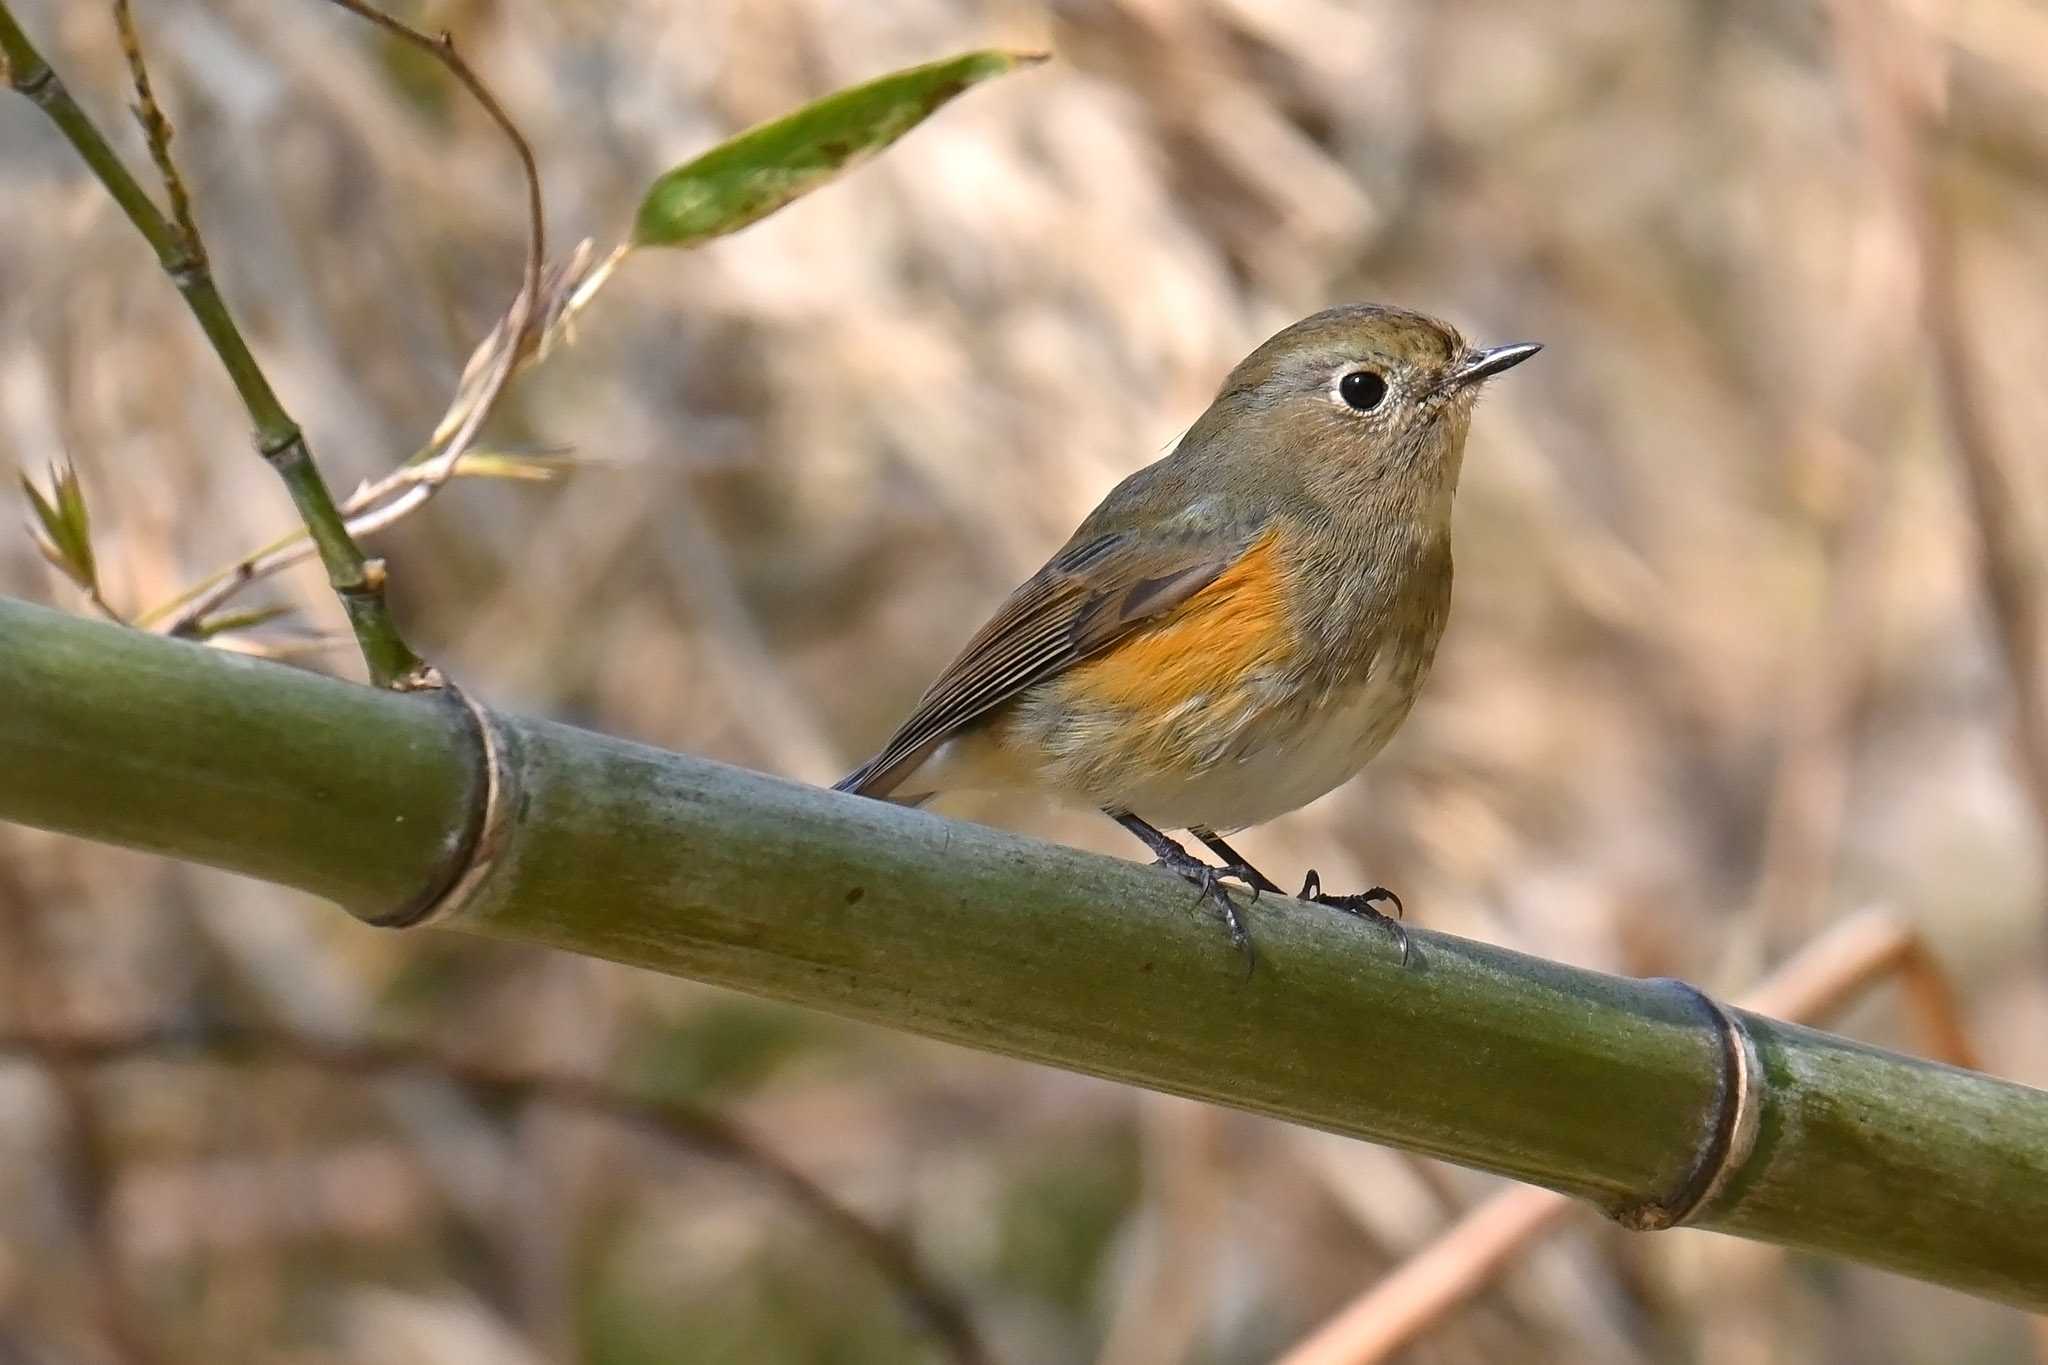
1485,364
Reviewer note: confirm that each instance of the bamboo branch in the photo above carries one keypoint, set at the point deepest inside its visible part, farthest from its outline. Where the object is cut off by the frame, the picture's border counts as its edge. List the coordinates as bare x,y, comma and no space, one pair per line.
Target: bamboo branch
495,360
156,132
371,508
721,191
683,1125
356,580
1641,1097
517,338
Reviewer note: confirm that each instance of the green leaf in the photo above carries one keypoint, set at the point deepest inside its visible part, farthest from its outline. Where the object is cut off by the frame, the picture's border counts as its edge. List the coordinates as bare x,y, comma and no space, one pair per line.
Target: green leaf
63,529
749,177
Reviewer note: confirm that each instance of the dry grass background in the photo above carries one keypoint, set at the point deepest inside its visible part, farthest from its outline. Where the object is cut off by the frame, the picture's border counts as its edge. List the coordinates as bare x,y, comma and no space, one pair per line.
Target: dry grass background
1719,670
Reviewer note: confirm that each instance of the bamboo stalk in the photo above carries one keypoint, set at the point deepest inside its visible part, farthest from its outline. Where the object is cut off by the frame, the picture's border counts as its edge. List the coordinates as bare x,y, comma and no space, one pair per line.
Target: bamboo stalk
1641,1097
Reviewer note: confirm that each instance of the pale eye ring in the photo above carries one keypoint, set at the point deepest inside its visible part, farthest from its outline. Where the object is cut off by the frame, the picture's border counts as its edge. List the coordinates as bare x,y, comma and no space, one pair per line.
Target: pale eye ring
1362,390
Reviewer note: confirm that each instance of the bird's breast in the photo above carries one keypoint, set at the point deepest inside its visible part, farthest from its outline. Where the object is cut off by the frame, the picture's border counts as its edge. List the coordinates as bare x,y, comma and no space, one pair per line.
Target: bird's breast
1251,699
1256,746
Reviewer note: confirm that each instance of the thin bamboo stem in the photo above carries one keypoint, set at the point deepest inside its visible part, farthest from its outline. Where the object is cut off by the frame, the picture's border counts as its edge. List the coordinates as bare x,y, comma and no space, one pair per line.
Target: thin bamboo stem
357,580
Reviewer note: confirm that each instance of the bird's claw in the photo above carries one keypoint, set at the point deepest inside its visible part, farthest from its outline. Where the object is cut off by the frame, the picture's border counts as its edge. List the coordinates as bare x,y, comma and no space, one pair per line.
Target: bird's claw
1363,905
1208,883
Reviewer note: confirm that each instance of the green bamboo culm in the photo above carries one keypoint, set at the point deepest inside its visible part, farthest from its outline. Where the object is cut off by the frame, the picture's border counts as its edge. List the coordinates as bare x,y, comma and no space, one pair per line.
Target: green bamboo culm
1613,1090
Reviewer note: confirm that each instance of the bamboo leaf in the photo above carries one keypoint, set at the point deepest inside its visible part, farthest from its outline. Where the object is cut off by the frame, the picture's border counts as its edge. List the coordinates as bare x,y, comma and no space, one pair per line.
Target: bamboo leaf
63,527
749,177
525,467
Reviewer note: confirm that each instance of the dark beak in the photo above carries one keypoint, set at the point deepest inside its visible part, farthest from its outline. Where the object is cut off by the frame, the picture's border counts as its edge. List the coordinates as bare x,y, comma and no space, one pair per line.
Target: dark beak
1485,364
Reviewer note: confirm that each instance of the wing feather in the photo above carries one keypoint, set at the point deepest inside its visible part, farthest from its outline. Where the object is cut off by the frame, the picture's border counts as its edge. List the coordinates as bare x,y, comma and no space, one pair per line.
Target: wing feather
1087,598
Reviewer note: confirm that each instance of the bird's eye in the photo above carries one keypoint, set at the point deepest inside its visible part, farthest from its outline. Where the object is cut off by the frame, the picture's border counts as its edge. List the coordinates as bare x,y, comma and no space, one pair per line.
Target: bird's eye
1363,390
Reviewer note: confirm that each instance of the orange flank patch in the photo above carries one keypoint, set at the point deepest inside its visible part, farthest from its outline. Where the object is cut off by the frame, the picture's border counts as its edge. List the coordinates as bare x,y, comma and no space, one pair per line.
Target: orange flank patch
1202,649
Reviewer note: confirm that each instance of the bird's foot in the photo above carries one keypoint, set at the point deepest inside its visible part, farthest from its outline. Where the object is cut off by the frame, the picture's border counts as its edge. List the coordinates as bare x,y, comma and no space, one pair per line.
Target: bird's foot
1363,905
1207,879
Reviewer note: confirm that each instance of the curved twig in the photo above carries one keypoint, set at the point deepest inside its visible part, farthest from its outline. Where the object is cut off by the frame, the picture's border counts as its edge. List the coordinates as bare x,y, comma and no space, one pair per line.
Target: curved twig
483,380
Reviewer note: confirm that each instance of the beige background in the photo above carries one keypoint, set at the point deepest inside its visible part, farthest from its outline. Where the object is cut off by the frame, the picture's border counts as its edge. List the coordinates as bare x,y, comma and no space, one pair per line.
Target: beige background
1718,671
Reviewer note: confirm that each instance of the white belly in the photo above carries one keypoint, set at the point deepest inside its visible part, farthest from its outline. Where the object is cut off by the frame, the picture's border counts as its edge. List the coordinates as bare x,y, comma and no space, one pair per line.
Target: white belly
1270,770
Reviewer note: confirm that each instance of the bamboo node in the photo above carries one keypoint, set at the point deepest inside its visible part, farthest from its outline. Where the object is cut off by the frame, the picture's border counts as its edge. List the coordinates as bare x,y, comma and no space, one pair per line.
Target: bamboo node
1738,1106
493,799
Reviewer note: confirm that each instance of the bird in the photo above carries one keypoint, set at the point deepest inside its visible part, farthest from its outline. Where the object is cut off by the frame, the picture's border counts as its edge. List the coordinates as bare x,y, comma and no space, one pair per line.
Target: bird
1238,627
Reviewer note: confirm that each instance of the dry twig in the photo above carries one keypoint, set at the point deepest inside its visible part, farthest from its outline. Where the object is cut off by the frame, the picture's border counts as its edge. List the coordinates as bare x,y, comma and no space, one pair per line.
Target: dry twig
156,131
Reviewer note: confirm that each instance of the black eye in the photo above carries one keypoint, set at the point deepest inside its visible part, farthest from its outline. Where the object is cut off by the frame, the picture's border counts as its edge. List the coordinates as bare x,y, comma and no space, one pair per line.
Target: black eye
1363,390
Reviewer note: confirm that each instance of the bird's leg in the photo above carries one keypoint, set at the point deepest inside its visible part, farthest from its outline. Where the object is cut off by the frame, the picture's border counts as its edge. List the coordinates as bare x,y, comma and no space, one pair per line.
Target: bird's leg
1232,859
1361,905
1208,880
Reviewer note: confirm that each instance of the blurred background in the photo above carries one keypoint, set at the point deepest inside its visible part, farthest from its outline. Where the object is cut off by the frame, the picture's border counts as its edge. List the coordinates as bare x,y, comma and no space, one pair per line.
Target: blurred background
1719,671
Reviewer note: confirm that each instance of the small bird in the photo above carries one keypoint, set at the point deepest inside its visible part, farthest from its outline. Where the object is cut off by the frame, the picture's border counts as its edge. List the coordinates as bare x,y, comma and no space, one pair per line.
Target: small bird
1239,627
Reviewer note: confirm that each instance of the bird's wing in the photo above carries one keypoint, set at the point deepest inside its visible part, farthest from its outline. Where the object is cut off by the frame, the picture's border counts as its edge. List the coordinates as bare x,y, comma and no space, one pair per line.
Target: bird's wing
1089,596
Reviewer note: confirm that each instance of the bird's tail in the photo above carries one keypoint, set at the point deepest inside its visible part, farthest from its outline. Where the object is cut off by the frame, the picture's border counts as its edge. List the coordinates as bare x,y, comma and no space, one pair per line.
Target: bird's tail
870,779
853,781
